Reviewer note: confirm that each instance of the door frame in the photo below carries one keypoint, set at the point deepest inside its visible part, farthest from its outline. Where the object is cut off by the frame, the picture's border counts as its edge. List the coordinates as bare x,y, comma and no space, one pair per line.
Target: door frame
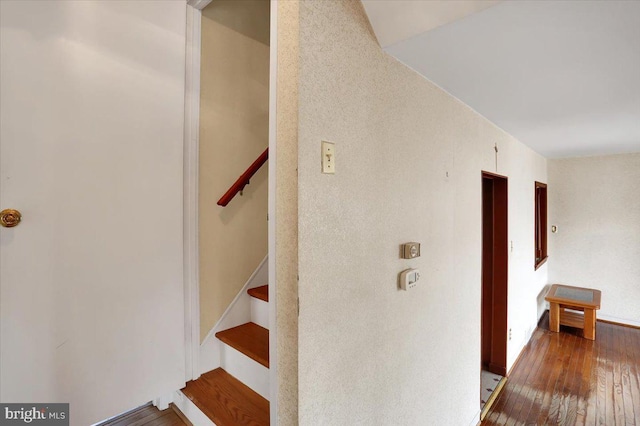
271,214
497,362
191,257
191,224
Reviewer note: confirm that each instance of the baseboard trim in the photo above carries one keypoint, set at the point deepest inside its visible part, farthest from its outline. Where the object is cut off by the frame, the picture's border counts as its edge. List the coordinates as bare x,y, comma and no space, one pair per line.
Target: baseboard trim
526,345
121,415
522,351
618,321
524,348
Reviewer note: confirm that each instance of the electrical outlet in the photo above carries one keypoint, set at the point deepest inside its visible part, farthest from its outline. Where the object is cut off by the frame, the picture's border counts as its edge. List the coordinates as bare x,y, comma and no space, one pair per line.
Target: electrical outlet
510,334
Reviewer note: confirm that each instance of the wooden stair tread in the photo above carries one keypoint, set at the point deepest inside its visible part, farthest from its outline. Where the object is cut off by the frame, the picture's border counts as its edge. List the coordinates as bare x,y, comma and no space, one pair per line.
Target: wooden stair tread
226,400
250,339
261,292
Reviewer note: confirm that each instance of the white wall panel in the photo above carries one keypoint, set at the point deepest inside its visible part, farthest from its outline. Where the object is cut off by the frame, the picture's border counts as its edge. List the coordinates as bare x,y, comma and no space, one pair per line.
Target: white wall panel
92,111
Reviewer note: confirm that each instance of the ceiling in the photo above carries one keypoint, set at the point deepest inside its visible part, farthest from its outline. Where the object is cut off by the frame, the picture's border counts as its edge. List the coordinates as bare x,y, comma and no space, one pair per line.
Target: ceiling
563,77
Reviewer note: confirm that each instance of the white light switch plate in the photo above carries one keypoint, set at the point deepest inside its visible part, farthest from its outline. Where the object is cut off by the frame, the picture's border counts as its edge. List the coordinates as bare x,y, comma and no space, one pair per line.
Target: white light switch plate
328,157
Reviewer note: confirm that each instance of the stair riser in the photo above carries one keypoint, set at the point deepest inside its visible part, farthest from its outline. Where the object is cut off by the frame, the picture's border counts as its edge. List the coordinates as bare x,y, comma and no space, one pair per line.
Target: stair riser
238,312
260,312
243,368
191,411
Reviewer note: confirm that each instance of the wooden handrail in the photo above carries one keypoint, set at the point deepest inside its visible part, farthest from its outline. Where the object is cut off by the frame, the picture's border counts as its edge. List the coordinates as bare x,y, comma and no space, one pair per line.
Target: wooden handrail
244,178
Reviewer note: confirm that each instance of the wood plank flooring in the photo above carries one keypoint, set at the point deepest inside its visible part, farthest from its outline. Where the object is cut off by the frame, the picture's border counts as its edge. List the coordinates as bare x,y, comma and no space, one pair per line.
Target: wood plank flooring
147,416
564,379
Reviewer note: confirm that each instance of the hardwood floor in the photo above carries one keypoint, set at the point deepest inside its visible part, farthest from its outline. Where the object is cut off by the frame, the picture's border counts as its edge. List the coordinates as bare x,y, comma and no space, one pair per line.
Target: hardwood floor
562,378
147,415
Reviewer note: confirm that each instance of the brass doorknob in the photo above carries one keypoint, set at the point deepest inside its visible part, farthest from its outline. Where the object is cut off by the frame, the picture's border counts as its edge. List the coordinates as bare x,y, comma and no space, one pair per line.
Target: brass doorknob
10,218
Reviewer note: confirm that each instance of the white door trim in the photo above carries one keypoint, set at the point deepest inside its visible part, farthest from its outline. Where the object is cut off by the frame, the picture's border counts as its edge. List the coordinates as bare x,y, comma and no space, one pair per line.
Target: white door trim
198,4
191,137
191,251
273,302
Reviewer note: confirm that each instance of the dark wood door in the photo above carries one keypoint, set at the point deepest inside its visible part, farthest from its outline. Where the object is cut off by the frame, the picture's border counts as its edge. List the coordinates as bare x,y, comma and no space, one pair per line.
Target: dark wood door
495,256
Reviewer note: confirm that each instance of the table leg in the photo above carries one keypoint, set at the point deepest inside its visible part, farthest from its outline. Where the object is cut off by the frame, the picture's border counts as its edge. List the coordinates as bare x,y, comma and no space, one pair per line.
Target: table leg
554,317
590,324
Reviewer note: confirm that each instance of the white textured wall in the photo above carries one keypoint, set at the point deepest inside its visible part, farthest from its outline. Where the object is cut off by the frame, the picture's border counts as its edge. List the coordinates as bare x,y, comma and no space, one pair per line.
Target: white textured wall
595,202
409,161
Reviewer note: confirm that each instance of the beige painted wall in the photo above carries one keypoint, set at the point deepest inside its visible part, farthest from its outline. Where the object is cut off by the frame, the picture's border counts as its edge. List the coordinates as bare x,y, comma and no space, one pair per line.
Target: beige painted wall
595,202
409,160
286,226
234,113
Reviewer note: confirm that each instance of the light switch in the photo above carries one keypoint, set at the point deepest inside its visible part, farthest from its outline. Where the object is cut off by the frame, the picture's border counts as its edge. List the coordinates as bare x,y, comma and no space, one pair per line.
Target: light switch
328,157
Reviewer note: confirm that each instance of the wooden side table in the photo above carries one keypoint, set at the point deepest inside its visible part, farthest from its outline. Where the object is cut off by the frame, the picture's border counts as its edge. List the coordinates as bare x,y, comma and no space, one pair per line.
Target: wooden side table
562,297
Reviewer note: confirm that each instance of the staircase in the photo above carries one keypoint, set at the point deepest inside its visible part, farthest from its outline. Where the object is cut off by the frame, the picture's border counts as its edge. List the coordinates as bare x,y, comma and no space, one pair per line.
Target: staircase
236,393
